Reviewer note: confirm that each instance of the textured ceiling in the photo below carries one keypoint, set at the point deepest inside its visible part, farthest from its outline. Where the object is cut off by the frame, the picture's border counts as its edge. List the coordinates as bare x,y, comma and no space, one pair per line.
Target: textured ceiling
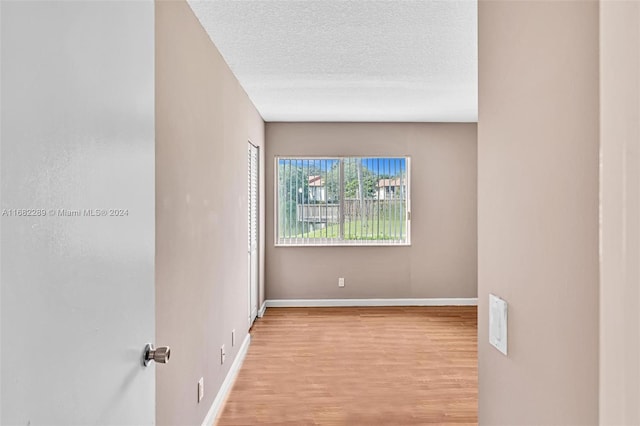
346,60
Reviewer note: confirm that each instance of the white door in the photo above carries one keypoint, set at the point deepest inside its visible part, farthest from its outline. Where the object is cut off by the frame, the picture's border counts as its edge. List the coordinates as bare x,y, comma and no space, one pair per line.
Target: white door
253,232
77,246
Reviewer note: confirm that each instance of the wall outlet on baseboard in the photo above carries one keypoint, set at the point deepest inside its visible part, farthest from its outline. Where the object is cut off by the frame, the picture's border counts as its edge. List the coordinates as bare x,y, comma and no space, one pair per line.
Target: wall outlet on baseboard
341,282
223,354
200,389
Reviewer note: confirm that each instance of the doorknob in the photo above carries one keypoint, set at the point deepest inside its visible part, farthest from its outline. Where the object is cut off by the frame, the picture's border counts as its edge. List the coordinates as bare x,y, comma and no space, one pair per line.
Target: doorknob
160,354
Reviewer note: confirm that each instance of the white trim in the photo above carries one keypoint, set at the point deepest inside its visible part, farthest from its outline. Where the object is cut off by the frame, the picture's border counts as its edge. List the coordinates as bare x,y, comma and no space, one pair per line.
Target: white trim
341,243
221,397
304,303
262,309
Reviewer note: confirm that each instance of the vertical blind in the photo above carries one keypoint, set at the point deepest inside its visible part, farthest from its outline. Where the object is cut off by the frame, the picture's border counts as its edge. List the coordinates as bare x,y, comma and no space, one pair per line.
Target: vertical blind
253,197
342,201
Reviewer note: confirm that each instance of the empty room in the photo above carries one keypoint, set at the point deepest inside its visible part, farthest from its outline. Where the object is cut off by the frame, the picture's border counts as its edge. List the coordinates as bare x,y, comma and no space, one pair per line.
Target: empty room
336,212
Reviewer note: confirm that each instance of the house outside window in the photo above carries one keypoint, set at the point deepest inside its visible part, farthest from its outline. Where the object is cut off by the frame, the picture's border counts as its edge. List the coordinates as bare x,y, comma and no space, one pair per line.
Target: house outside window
316,189
388,189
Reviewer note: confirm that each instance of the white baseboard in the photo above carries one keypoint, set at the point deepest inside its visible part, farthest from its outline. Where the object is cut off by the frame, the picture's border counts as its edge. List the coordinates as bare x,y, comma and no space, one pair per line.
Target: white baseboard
262,309
218,402
307,303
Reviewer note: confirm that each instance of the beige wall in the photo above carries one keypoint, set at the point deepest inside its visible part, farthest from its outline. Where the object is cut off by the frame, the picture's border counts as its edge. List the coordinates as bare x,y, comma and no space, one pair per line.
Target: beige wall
441,263
620,196
538,210
203,122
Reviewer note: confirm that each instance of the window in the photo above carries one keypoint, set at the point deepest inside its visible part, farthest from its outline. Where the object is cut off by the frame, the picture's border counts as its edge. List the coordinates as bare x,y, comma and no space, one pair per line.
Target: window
342,201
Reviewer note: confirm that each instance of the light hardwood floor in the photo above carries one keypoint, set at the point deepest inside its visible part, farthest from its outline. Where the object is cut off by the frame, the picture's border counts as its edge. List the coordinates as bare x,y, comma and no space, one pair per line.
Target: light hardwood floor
358,366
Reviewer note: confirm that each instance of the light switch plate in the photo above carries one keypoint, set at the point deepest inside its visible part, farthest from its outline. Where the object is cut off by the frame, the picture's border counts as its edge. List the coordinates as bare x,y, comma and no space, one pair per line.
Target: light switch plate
498,323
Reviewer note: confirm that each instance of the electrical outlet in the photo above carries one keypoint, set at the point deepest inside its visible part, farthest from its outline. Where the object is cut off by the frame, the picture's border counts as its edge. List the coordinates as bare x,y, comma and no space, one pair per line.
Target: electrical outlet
341,282
233,338
200,389
223,355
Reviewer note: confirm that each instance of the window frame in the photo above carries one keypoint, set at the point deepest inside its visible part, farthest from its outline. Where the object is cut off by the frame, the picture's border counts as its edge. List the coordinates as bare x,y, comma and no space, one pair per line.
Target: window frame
341,242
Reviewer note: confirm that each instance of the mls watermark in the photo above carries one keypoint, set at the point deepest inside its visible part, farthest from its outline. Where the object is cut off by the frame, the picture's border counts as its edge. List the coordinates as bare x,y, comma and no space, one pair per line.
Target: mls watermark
65,212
